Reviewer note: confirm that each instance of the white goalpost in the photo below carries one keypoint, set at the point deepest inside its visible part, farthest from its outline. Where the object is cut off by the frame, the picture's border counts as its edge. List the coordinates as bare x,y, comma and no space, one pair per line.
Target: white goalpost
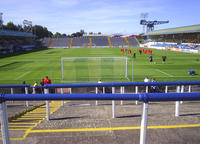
94,67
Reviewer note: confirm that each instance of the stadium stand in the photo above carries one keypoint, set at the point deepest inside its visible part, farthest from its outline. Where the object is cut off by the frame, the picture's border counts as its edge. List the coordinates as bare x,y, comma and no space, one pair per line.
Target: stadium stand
89,41
133,41
80,42
118,42
46,41
14,41
100,41
184,39
60,43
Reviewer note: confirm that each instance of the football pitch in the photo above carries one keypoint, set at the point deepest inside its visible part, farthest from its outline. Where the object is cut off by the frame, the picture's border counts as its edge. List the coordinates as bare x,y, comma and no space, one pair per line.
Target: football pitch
36,65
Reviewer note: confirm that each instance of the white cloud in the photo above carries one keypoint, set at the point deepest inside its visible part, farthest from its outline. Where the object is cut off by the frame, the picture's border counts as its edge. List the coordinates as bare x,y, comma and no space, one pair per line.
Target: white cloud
66,2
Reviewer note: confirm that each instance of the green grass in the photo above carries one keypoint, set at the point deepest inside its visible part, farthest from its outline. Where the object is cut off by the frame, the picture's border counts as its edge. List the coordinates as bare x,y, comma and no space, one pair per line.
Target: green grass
36,65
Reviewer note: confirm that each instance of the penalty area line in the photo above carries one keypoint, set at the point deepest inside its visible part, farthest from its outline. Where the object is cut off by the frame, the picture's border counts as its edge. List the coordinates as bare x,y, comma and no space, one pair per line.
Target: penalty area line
22,75
164,73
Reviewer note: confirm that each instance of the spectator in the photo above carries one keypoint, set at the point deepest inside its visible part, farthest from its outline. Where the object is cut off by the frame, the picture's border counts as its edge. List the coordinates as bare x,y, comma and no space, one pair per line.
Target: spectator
42,84
154,89
23,89
100,89
47,80
35,89
146,79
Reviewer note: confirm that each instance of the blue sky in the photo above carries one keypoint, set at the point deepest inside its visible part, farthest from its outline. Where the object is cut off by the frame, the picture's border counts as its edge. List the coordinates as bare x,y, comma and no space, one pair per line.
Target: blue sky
106,16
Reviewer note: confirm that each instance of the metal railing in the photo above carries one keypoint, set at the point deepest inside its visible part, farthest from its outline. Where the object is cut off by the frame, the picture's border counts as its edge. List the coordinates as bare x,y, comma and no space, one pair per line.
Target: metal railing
146,97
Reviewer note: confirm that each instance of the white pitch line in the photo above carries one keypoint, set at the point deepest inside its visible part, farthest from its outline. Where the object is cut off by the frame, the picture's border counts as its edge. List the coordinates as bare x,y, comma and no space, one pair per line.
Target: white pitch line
164,73
22,75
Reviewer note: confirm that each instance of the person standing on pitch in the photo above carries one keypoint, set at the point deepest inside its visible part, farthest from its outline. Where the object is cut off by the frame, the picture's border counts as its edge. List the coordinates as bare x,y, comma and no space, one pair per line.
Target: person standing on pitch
134,55
151,59
164,59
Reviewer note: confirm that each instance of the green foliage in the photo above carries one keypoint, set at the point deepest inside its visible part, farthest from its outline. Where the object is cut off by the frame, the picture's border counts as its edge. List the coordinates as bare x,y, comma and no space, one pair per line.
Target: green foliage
41,32
198,36
57,34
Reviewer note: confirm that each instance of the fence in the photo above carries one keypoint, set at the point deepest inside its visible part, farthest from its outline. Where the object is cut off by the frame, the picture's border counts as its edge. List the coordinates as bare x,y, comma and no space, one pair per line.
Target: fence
143,97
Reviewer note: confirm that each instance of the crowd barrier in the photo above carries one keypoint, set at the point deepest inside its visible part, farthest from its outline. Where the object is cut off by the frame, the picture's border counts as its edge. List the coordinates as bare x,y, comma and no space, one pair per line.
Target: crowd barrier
146,97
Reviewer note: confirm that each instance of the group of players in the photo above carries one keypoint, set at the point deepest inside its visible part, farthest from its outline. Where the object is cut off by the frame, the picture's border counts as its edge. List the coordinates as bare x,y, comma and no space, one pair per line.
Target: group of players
145,51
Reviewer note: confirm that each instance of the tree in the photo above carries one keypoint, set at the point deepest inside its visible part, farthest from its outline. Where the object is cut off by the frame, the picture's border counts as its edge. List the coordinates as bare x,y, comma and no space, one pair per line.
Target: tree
90,33
10,26
57,34
99,33
1,23
64,35
82,32
41,31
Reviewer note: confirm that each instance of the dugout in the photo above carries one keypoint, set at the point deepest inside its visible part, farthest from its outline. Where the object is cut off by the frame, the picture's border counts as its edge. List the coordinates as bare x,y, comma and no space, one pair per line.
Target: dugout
185,34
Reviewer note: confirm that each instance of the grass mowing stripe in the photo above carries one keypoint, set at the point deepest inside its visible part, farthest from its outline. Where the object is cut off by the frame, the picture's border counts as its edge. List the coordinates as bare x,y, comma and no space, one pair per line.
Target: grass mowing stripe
94,70
81,67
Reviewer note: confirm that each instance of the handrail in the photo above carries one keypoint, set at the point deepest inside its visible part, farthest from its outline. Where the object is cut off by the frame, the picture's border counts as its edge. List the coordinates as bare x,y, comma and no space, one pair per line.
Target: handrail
145,97
14,86
115,84
121,84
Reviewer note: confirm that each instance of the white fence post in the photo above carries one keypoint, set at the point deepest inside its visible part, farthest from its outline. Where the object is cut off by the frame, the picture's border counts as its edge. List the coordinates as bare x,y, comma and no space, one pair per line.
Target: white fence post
190,89
96,93
177,107
113,104
136,91
4,123
12,92
147,89
122,92
144,123
26,92
166,89
46,91
182,91
61,91
104,90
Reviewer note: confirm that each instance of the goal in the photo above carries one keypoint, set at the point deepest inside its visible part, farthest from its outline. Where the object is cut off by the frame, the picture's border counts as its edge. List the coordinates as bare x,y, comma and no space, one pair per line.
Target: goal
88,69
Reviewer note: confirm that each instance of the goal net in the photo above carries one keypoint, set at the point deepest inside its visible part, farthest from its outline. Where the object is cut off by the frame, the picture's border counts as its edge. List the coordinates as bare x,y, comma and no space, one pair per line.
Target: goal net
91,69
